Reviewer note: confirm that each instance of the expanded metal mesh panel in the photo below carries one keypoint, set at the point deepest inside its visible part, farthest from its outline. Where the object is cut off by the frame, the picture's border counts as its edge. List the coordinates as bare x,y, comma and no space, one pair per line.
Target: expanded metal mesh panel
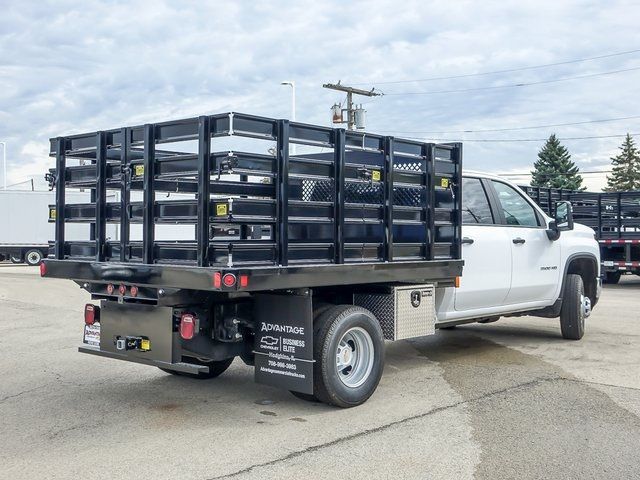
317,190
356,192
410,166
406,311
409,197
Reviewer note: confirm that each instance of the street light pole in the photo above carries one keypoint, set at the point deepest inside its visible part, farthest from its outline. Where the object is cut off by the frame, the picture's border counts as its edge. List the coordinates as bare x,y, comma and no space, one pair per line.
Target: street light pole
292,84
4,164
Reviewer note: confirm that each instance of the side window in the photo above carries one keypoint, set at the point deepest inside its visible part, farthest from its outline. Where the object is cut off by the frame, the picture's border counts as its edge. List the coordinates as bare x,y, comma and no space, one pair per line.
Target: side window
475,205
517,211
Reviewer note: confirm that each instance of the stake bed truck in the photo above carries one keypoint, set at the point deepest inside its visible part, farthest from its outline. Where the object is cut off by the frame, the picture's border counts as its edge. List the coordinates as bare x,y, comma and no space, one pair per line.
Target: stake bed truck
615,217
302,264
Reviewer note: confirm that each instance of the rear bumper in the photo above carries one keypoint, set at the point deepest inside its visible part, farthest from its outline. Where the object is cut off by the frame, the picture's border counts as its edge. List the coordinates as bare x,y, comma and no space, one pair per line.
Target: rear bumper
178,367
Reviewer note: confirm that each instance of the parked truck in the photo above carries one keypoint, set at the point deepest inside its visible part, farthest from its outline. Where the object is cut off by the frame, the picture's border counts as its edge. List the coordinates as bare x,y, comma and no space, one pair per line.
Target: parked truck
25,229
615,219
356,239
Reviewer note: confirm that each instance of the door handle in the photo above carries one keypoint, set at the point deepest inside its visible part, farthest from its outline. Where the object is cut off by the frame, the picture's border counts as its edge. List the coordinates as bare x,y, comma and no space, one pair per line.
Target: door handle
518,241
467,240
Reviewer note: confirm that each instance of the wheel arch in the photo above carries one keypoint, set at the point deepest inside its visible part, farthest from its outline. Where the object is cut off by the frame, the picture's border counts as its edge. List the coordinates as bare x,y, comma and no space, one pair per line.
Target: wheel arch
585,265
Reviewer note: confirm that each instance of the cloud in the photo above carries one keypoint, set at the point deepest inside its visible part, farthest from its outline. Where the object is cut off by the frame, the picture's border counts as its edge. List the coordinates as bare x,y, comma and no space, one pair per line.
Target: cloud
69,67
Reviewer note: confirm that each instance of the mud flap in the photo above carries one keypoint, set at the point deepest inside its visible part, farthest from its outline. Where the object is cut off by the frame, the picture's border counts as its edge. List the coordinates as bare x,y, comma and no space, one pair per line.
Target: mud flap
284,341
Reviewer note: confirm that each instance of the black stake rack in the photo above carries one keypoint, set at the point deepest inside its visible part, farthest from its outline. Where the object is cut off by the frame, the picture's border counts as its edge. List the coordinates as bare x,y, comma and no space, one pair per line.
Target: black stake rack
355,198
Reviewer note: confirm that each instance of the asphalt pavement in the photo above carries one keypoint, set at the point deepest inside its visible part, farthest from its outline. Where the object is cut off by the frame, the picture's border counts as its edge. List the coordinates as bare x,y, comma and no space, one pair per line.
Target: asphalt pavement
504,400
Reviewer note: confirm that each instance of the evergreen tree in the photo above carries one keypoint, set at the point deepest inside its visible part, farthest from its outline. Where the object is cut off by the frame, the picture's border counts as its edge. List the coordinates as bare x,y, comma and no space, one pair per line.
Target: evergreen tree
625,174
554,167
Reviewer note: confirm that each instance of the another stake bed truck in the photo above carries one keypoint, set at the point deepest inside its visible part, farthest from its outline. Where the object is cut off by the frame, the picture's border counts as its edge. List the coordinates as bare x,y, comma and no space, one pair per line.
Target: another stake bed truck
615,217
302,265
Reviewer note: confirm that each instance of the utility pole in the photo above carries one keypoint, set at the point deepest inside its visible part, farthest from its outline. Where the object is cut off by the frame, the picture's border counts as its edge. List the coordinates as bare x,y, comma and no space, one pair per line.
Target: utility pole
355,115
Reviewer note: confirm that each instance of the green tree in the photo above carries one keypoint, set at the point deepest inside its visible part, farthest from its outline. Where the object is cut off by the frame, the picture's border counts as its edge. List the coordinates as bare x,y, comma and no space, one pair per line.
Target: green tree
625,174
554,167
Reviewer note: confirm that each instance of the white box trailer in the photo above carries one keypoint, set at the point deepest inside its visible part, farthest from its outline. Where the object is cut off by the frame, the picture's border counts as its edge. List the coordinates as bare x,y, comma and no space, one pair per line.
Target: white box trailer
25,231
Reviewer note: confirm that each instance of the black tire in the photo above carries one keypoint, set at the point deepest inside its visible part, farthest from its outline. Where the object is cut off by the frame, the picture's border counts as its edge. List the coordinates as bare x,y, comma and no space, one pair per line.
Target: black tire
612,277
33,257
216,368
329,329
318,310
571,313
15,259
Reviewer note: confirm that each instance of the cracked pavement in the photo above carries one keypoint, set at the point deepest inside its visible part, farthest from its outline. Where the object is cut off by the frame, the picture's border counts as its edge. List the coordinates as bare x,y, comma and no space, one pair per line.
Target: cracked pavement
503,400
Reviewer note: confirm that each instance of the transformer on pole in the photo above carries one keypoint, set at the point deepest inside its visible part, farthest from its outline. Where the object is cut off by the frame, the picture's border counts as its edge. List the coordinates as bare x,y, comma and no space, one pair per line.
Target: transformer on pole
356,115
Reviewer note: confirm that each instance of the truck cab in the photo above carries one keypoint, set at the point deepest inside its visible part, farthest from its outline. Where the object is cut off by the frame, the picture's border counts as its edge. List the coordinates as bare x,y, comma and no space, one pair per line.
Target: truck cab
517,258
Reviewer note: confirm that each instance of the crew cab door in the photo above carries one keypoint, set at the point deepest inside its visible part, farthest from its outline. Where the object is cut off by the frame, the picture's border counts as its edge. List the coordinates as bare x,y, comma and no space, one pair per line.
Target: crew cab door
486,250
535,258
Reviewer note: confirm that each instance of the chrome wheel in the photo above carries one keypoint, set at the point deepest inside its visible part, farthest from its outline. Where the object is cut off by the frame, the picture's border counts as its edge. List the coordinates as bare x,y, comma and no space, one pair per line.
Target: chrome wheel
354,357
585,306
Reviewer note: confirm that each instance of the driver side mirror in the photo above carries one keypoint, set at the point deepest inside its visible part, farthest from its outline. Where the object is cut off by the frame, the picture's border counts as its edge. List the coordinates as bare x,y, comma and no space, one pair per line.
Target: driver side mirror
563,220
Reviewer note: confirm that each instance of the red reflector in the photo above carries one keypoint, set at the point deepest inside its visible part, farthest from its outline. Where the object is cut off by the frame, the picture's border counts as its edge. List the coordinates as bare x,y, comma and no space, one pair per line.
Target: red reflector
122,289
134,291
110,289
43,269
244,280
217,280
229,279
91,314
188,327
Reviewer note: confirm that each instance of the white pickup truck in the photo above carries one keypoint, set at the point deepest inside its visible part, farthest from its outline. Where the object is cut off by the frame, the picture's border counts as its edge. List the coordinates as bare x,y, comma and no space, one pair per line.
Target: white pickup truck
519,261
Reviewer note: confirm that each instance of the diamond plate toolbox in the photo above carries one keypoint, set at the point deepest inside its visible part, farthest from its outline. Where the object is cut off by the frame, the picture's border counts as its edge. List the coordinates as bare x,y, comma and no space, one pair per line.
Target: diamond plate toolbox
404,311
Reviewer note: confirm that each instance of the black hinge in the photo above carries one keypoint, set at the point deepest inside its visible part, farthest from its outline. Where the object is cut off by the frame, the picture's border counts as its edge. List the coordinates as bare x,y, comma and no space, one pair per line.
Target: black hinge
227,165
51,179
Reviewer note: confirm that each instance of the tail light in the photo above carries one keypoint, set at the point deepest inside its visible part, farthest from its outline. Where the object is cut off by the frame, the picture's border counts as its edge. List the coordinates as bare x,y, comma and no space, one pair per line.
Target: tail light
110,289
134,291
244,280
229,280
217,280
188,326
91,314
122,289
43,269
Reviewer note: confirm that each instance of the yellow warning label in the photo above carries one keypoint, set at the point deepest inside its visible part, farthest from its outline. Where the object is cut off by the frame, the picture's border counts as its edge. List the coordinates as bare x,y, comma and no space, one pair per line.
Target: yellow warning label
52,214
145,344
375,175
138,170
444,182
221,209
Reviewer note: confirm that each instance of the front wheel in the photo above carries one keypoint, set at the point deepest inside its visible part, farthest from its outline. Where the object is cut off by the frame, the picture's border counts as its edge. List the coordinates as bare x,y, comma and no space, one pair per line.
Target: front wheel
216,368
576,307
348,354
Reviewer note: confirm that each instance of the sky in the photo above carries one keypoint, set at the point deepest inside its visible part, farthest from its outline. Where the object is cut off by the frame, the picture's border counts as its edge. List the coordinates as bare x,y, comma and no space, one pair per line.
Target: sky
71,67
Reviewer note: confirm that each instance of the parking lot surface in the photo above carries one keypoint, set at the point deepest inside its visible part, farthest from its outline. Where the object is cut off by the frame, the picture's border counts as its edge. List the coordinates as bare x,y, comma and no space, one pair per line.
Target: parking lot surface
504,400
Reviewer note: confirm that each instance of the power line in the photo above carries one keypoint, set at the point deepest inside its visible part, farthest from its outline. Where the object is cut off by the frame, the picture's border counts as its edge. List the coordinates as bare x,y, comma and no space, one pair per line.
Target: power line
502,140
515,85
520,128
554,173
509,70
